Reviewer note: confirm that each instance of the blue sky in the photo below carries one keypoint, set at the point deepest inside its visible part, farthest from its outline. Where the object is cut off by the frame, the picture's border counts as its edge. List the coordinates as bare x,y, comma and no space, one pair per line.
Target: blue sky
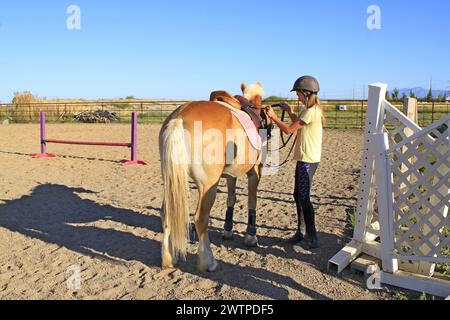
185,49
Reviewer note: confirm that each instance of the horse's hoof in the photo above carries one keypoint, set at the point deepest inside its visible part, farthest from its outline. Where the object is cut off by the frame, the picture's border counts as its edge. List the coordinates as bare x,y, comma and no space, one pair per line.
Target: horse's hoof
227,235
251,241
167,266
168,262
213,267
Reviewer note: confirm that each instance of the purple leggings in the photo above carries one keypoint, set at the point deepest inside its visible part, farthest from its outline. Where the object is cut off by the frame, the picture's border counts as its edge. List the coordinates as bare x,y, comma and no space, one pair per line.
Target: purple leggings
304,174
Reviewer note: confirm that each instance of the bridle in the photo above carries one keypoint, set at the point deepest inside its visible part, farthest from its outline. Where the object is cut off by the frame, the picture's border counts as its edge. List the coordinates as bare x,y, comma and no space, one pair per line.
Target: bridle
284,141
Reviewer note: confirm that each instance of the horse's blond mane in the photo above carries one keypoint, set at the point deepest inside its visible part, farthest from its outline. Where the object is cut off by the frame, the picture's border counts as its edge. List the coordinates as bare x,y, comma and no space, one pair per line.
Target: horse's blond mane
252,91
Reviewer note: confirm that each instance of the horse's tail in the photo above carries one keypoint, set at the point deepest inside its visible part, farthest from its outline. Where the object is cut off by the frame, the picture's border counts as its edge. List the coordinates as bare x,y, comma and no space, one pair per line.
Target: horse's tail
174,167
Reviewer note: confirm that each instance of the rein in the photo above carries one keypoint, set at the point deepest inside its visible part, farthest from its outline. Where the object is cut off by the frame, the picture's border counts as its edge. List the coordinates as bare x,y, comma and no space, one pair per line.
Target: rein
285,143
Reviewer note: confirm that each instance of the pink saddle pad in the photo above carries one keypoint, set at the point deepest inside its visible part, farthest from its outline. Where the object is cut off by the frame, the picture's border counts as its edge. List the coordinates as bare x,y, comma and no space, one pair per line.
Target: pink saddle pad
249,126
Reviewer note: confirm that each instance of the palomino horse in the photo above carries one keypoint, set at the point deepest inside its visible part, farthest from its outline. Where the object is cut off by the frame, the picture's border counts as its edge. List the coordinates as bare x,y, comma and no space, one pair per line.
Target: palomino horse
252,93
199,140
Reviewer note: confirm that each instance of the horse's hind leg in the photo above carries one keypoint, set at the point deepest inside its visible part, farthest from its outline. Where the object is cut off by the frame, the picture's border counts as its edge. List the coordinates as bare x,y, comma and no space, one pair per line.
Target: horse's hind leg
254,177
228,228
207,196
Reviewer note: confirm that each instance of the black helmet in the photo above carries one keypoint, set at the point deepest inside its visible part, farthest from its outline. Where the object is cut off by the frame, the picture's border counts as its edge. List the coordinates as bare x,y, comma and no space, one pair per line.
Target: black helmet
307,83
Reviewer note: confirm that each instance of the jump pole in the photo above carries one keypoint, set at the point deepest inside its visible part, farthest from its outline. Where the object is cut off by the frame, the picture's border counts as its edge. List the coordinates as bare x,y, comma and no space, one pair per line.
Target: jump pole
133,145
134,160
43,153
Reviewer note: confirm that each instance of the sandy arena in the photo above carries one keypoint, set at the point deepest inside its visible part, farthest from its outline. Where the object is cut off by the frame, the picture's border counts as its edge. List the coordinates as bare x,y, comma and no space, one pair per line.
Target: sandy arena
84,209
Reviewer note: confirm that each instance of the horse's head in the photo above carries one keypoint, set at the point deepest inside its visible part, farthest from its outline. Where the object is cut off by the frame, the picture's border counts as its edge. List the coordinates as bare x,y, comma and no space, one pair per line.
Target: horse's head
253,93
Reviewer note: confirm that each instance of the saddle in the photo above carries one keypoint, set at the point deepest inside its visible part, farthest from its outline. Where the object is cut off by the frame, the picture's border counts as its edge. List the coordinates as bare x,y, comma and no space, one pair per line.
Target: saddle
238,102
241,103
224,96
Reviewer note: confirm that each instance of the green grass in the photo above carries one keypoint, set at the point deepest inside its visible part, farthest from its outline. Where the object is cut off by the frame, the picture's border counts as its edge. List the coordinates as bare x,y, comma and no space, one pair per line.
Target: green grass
425,297
444,268
351,221
400,296
122,106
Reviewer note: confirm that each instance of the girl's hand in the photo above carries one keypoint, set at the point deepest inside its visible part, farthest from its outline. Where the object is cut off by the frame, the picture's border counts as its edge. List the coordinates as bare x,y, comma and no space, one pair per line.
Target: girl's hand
270,113
286,107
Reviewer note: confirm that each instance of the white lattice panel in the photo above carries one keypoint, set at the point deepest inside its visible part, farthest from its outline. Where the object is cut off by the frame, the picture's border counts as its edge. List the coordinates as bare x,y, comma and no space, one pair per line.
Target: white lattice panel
397,132
396,129
404,197
421,184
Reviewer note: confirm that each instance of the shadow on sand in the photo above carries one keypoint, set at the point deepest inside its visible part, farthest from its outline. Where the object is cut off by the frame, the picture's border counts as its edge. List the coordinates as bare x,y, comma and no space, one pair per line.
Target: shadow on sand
57,214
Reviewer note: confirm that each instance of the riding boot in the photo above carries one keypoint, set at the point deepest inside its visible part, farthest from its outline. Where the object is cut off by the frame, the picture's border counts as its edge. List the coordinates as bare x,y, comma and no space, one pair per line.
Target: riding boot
311,240
251,227
300,219
229,219
298,236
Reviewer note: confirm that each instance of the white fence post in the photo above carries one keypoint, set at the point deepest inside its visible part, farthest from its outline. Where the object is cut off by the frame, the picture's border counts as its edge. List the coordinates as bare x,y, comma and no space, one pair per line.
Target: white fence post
367,194
385,201
374,124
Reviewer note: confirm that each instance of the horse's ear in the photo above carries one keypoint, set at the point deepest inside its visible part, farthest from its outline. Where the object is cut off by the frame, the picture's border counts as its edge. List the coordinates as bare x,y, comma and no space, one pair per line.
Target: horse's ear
243,87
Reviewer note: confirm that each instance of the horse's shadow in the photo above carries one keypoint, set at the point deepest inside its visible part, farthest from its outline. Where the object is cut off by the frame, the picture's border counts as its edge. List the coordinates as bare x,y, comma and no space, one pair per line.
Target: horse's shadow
275,246
257,280
57,215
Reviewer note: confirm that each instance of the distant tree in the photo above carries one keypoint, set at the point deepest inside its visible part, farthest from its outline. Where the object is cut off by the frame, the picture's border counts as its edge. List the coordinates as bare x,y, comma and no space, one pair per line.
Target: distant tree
388,96
430,95
404,96
412,94
21,101
274,99
25,97
130,98
441,97
395,94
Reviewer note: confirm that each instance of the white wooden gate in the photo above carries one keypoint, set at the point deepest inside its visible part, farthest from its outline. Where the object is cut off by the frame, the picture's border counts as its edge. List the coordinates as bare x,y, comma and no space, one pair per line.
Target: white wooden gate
402,214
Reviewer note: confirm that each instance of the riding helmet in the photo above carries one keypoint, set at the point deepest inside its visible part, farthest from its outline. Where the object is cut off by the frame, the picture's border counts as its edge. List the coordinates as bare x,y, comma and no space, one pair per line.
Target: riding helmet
307,83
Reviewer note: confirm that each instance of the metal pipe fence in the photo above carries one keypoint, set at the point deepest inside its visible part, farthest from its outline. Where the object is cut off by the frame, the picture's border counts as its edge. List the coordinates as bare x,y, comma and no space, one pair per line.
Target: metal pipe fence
348,114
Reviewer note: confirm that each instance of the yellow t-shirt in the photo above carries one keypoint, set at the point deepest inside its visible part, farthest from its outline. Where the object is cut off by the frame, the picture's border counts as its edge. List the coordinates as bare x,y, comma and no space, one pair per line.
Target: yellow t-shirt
308,147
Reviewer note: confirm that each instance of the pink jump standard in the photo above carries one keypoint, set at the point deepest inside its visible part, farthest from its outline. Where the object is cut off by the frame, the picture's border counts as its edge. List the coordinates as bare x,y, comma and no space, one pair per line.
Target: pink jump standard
132,145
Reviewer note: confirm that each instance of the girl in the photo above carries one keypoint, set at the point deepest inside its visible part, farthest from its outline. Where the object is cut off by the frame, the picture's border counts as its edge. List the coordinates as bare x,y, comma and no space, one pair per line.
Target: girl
308,151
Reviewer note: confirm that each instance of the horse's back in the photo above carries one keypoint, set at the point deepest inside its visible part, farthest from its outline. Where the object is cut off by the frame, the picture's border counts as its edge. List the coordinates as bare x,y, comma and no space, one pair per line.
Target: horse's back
210,114
208,118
